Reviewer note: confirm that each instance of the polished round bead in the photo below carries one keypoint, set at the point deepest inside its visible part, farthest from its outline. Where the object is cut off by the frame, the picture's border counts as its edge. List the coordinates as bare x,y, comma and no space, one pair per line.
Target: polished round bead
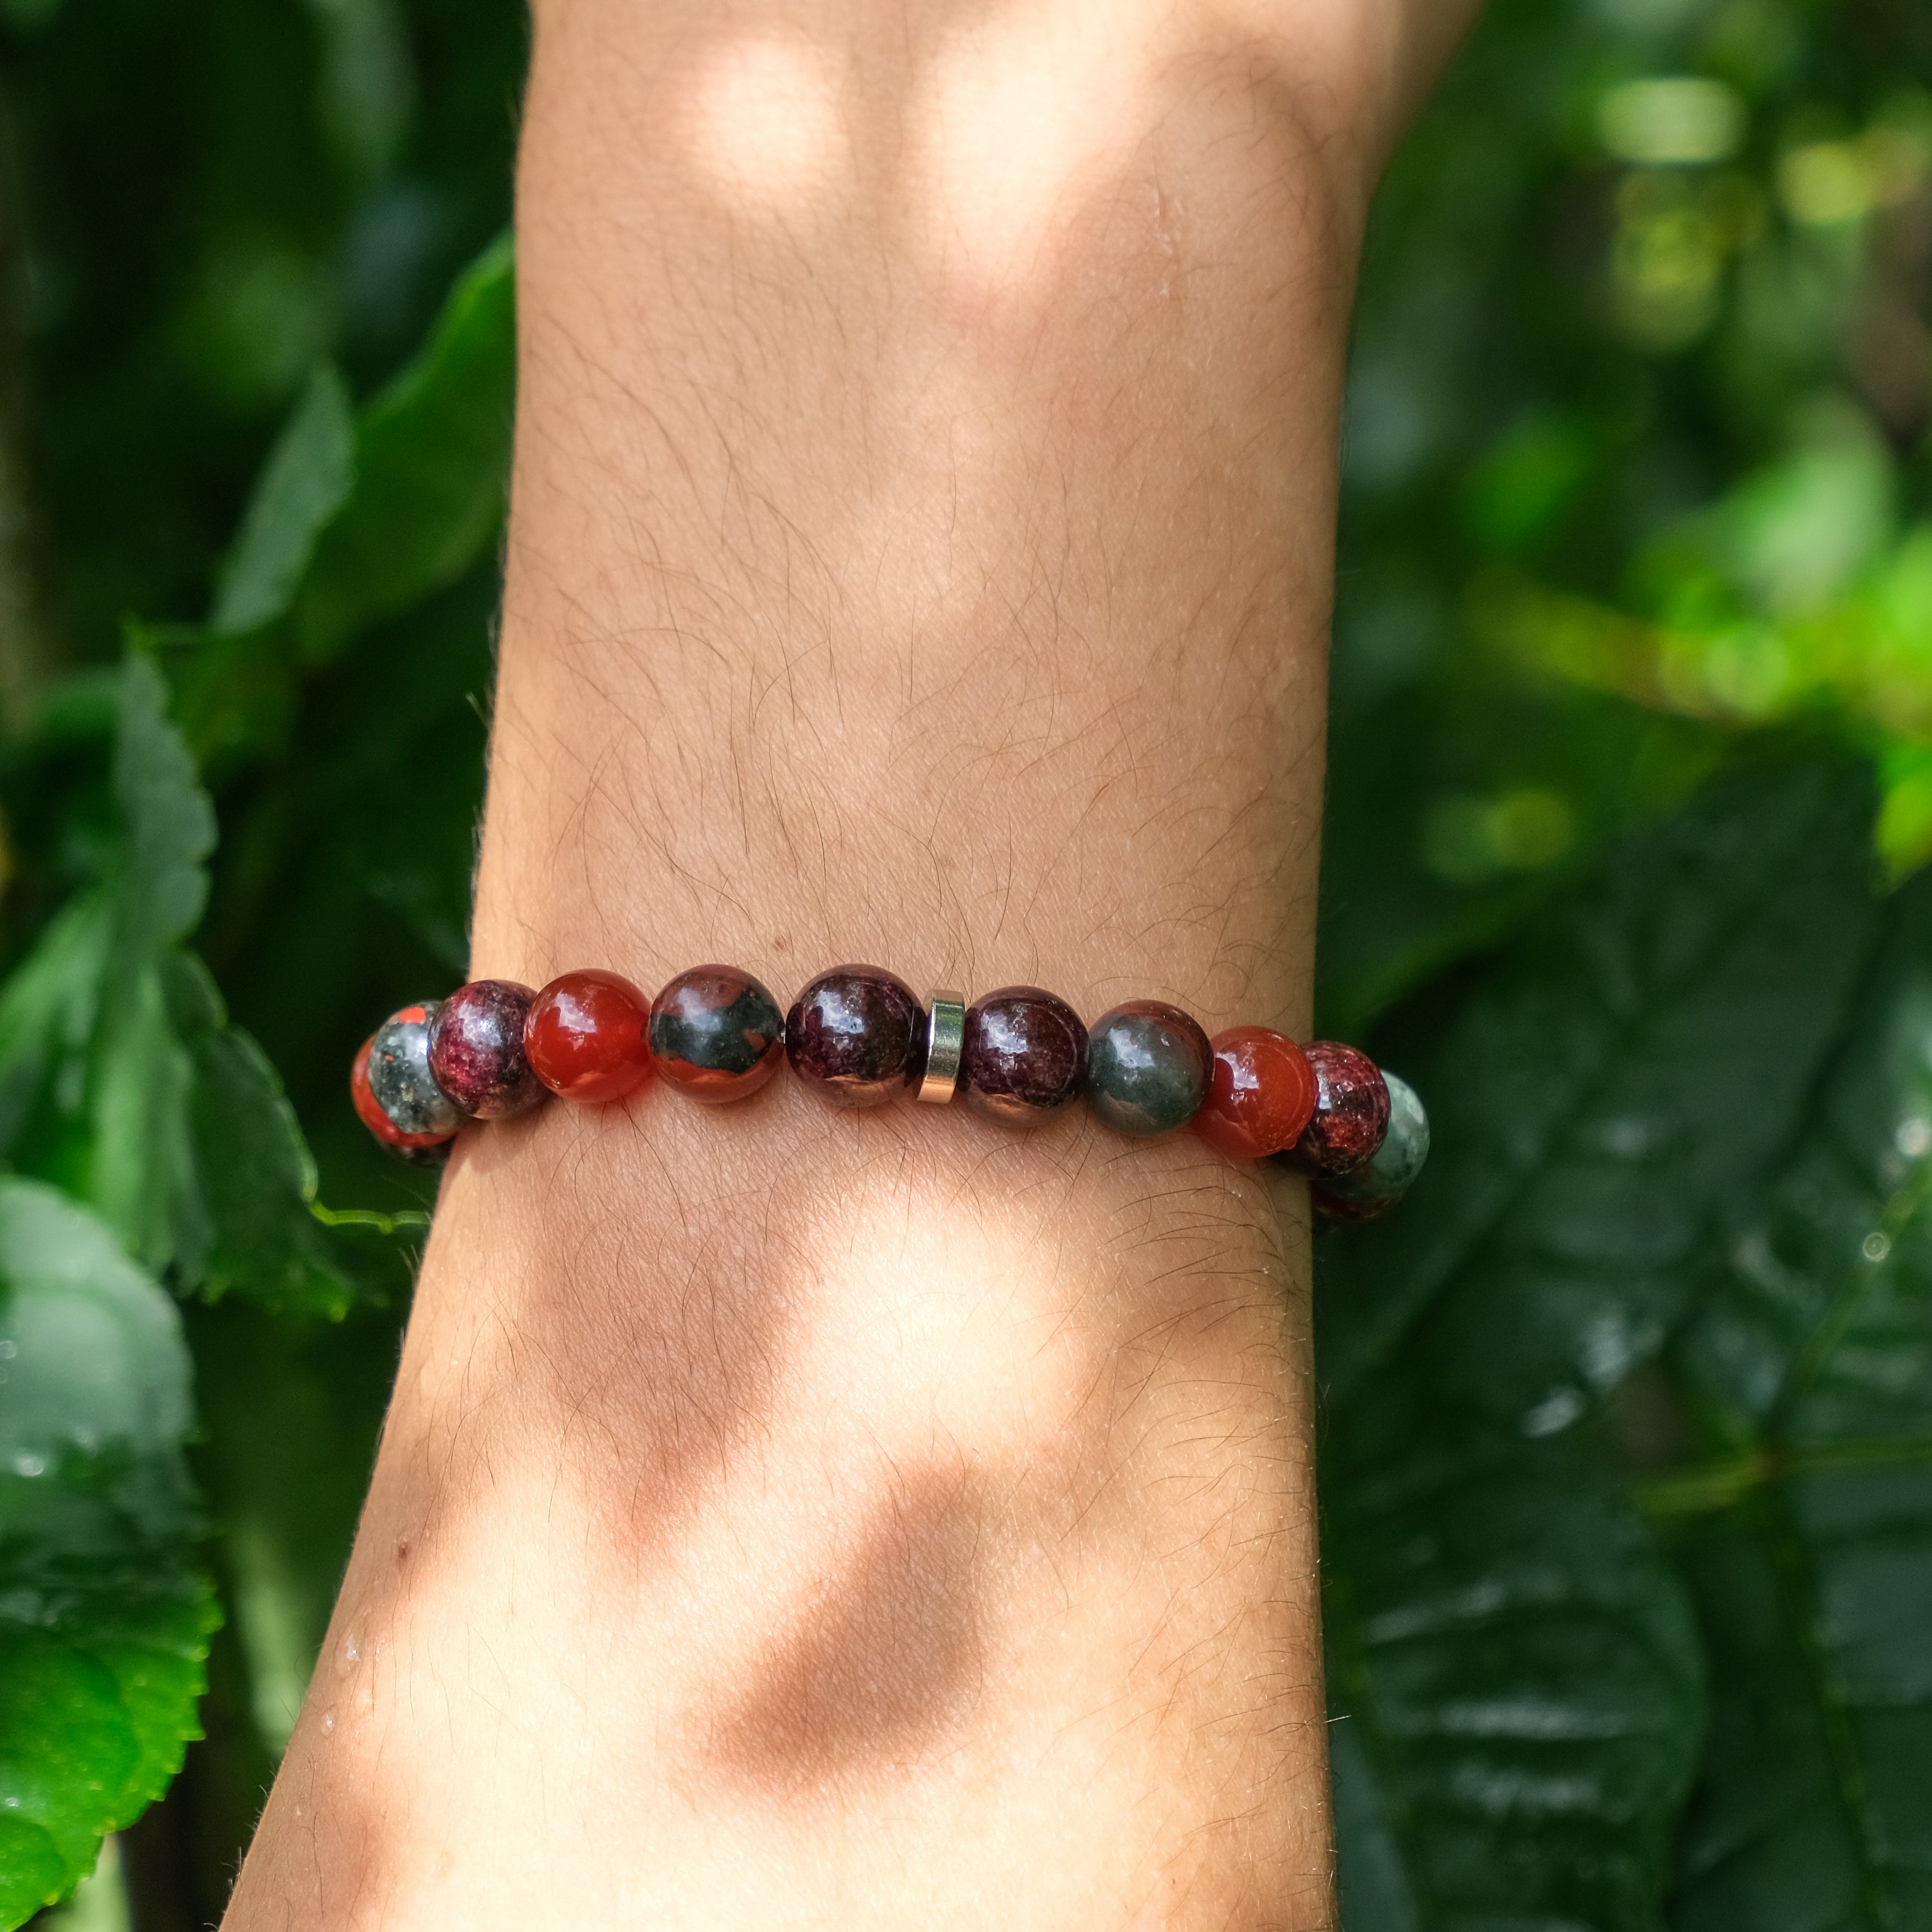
716,1034
1381,1181
1351,1111
1147,1066
1023,1053
400,1086
418,1147
856,1035
1260,1095
588,1036
476,1050
419,1150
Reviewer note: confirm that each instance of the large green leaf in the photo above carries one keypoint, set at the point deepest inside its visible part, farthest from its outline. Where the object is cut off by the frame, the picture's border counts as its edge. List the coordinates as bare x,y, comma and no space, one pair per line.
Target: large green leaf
1516,1684
104,1620
1514,1655
1639,1057
1807,1542
309,473
432,465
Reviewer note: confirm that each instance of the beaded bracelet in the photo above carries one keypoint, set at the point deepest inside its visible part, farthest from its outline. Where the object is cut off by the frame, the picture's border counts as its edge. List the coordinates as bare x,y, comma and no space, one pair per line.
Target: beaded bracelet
860,1037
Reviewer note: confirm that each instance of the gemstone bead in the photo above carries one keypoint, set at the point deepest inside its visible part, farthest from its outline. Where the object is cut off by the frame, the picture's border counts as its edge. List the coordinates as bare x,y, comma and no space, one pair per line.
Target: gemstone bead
1260,1095
1147,1067
716,1034
1351,1111
588,1036
419,1150
857,1036
1024,1055
1380,1182
394,1068
476,1050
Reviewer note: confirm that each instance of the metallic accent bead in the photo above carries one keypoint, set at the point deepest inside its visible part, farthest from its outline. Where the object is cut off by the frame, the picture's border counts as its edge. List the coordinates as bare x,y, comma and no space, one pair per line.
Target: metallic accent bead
400,1077
945,1041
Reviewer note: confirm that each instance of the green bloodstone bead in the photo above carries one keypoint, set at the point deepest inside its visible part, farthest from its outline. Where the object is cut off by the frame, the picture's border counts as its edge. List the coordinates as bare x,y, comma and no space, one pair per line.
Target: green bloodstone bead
1147,1068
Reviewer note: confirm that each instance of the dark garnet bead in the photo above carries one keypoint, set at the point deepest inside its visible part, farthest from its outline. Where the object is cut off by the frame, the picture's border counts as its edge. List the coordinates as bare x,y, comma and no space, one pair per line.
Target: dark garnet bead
588,1036
1025,1054
716,1034
1260,1096
1351,1111
857,1036
1147,1065
1369,1191
476,1050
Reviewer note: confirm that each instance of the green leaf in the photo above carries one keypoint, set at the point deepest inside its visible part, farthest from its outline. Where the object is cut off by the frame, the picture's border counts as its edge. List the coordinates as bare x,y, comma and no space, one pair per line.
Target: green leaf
47,1011
104,1620
1640,1055
252,1168
140,1174
432,465
121,1079
139,1171
1807,1542
167,819
1517,1656
1515,1680
309,473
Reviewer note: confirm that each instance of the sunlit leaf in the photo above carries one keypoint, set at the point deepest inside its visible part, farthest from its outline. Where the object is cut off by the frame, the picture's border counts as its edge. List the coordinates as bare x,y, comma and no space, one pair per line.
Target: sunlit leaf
104,1620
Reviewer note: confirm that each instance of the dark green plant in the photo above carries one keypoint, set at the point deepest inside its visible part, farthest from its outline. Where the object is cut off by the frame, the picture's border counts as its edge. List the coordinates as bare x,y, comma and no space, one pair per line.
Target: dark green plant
1627,1434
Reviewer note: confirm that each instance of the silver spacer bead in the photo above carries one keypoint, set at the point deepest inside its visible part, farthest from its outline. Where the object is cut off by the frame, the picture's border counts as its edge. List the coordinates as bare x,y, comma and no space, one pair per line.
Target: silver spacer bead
945,1041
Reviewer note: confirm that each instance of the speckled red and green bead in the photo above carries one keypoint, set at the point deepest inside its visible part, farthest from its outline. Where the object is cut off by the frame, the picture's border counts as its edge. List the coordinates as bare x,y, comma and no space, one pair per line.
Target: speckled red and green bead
859,1036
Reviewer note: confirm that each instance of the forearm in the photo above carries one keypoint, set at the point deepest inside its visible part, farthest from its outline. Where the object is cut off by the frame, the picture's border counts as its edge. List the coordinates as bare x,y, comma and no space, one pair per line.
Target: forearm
920,551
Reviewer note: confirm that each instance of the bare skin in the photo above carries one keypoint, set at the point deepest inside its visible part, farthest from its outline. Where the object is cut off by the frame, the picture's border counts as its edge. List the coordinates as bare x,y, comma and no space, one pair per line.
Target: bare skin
920,553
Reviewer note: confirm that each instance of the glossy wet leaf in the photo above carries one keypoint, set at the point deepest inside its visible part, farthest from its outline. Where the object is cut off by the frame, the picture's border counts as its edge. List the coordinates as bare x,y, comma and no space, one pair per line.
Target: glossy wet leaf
1515,1655
1516,1683
1806,1538
104,1619
1601,1094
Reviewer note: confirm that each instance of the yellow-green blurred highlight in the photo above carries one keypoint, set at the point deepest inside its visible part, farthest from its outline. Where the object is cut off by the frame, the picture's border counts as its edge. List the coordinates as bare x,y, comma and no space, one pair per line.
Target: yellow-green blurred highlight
1796,594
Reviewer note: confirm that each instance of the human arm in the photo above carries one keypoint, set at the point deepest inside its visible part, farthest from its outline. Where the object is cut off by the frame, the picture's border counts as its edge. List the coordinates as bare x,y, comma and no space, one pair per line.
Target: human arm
920,552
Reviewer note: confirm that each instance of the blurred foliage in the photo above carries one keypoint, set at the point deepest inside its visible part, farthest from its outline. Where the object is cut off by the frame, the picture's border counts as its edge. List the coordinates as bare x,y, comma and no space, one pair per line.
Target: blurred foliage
1626,1449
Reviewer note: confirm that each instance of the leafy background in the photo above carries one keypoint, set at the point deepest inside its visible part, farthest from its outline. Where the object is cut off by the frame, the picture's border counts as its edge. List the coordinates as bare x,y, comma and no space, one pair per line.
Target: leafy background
1626,1450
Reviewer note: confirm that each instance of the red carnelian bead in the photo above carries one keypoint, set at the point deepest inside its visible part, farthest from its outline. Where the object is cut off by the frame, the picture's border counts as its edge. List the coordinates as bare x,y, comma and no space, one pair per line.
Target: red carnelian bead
587,1036
1261,1093
370,1110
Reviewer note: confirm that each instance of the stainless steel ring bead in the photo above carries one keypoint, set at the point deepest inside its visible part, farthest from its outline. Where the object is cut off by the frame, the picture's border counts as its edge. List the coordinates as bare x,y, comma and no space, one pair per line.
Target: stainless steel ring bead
945,1042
